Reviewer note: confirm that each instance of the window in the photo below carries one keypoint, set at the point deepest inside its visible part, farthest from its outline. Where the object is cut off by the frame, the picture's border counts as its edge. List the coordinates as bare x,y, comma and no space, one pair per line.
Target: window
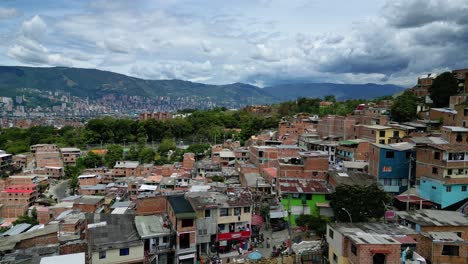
353,249
408,155
387,182
382,133
335,258
434,188
449,250
465,112
223,211
247,209
437,155
308,196
187,222
207,213
448,188
459,137
449,172
165,239
435,170
237,211
124,252
390,154
372,132
387,169
382,141
102,254
396,133
330,233
463,188
314,173
295,195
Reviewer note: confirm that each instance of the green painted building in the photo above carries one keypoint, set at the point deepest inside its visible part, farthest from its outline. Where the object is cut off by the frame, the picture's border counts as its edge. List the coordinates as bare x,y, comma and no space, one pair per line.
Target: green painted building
305,196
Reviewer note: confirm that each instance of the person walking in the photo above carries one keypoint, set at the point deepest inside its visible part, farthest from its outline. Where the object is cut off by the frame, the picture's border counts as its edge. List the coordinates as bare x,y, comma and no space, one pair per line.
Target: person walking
268,242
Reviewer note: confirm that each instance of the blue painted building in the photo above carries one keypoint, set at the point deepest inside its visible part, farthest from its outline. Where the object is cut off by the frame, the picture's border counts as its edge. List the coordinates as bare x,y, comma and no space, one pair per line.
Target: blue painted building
442,173
390,164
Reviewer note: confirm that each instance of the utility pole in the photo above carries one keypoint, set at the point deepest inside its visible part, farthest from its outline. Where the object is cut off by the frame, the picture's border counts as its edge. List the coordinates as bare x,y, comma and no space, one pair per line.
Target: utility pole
409,185
289,225
350,219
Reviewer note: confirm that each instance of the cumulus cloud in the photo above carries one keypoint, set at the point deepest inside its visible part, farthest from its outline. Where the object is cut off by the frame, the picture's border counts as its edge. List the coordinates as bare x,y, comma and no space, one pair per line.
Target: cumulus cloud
251,41
28,48
184,70
6,13
34,28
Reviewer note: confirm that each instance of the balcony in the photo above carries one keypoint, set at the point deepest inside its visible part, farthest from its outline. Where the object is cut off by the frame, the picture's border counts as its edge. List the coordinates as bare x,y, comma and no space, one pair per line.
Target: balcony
392,189
234,235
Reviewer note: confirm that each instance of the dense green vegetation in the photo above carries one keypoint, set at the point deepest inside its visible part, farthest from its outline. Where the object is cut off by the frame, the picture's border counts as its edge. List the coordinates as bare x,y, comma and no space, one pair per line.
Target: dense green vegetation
444,86
363,203
404,107
202,126
27,219
317,223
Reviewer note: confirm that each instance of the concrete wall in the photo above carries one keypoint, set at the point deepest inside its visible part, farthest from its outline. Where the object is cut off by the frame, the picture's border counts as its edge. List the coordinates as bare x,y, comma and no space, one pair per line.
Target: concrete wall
113,256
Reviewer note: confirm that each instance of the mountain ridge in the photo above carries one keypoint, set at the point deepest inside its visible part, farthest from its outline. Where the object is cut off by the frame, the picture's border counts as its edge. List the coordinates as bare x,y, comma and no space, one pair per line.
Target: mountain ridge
95,83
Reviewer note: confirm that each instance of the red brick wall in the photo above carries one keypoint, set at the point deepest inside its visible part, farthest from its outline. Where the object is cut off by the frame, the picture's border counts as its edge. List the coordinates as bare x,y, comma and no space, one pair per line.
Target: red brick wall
38,241
73,248
88,181
151,205
365,253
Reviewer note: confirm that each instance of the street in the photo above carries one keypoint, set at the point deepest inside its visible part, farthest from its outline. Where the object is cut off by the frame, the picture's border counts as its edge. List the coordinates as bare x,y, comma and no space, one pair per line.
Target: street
59,190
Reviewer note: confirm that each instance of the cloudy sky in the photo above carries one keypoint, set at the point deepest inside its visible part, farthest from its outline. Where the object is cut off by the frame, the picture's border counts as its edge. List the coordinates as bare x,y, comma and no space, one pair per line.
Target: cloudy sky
261,42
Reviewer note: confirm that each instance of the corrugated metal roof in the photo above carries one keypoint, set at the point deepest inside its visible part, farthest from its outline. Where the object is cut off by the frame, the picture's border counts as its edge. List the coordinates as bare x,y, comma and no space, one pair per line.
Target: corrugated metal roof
17,229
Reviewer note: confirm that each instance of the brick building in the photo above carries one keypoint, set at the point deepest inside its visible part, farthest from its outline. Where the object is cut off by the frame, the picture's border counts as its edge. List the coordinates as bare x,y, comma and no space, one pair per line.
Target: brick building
455,135
46,155
189,161
16,199
353,150
307,165
291,129
150,204
157,115
89,204
446,116
70,155
182,217
126,169
441,173
368,243
445,234
336,127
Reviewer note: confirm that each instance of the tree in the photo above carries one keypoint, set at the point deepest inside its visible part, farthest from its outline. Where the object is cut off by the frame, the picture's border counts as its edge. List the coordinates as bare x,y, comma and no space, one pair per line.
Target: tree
73,184
27,219
166,145
329,98
147,155
317,223
404,107
91,160
363,203
114,153
444,86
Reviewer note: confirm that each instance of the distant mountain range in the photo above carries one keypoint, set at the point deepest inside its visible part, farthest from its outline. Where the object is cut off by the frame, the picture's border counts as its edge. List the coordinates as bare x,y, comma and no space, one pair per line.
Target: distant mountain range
94,83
